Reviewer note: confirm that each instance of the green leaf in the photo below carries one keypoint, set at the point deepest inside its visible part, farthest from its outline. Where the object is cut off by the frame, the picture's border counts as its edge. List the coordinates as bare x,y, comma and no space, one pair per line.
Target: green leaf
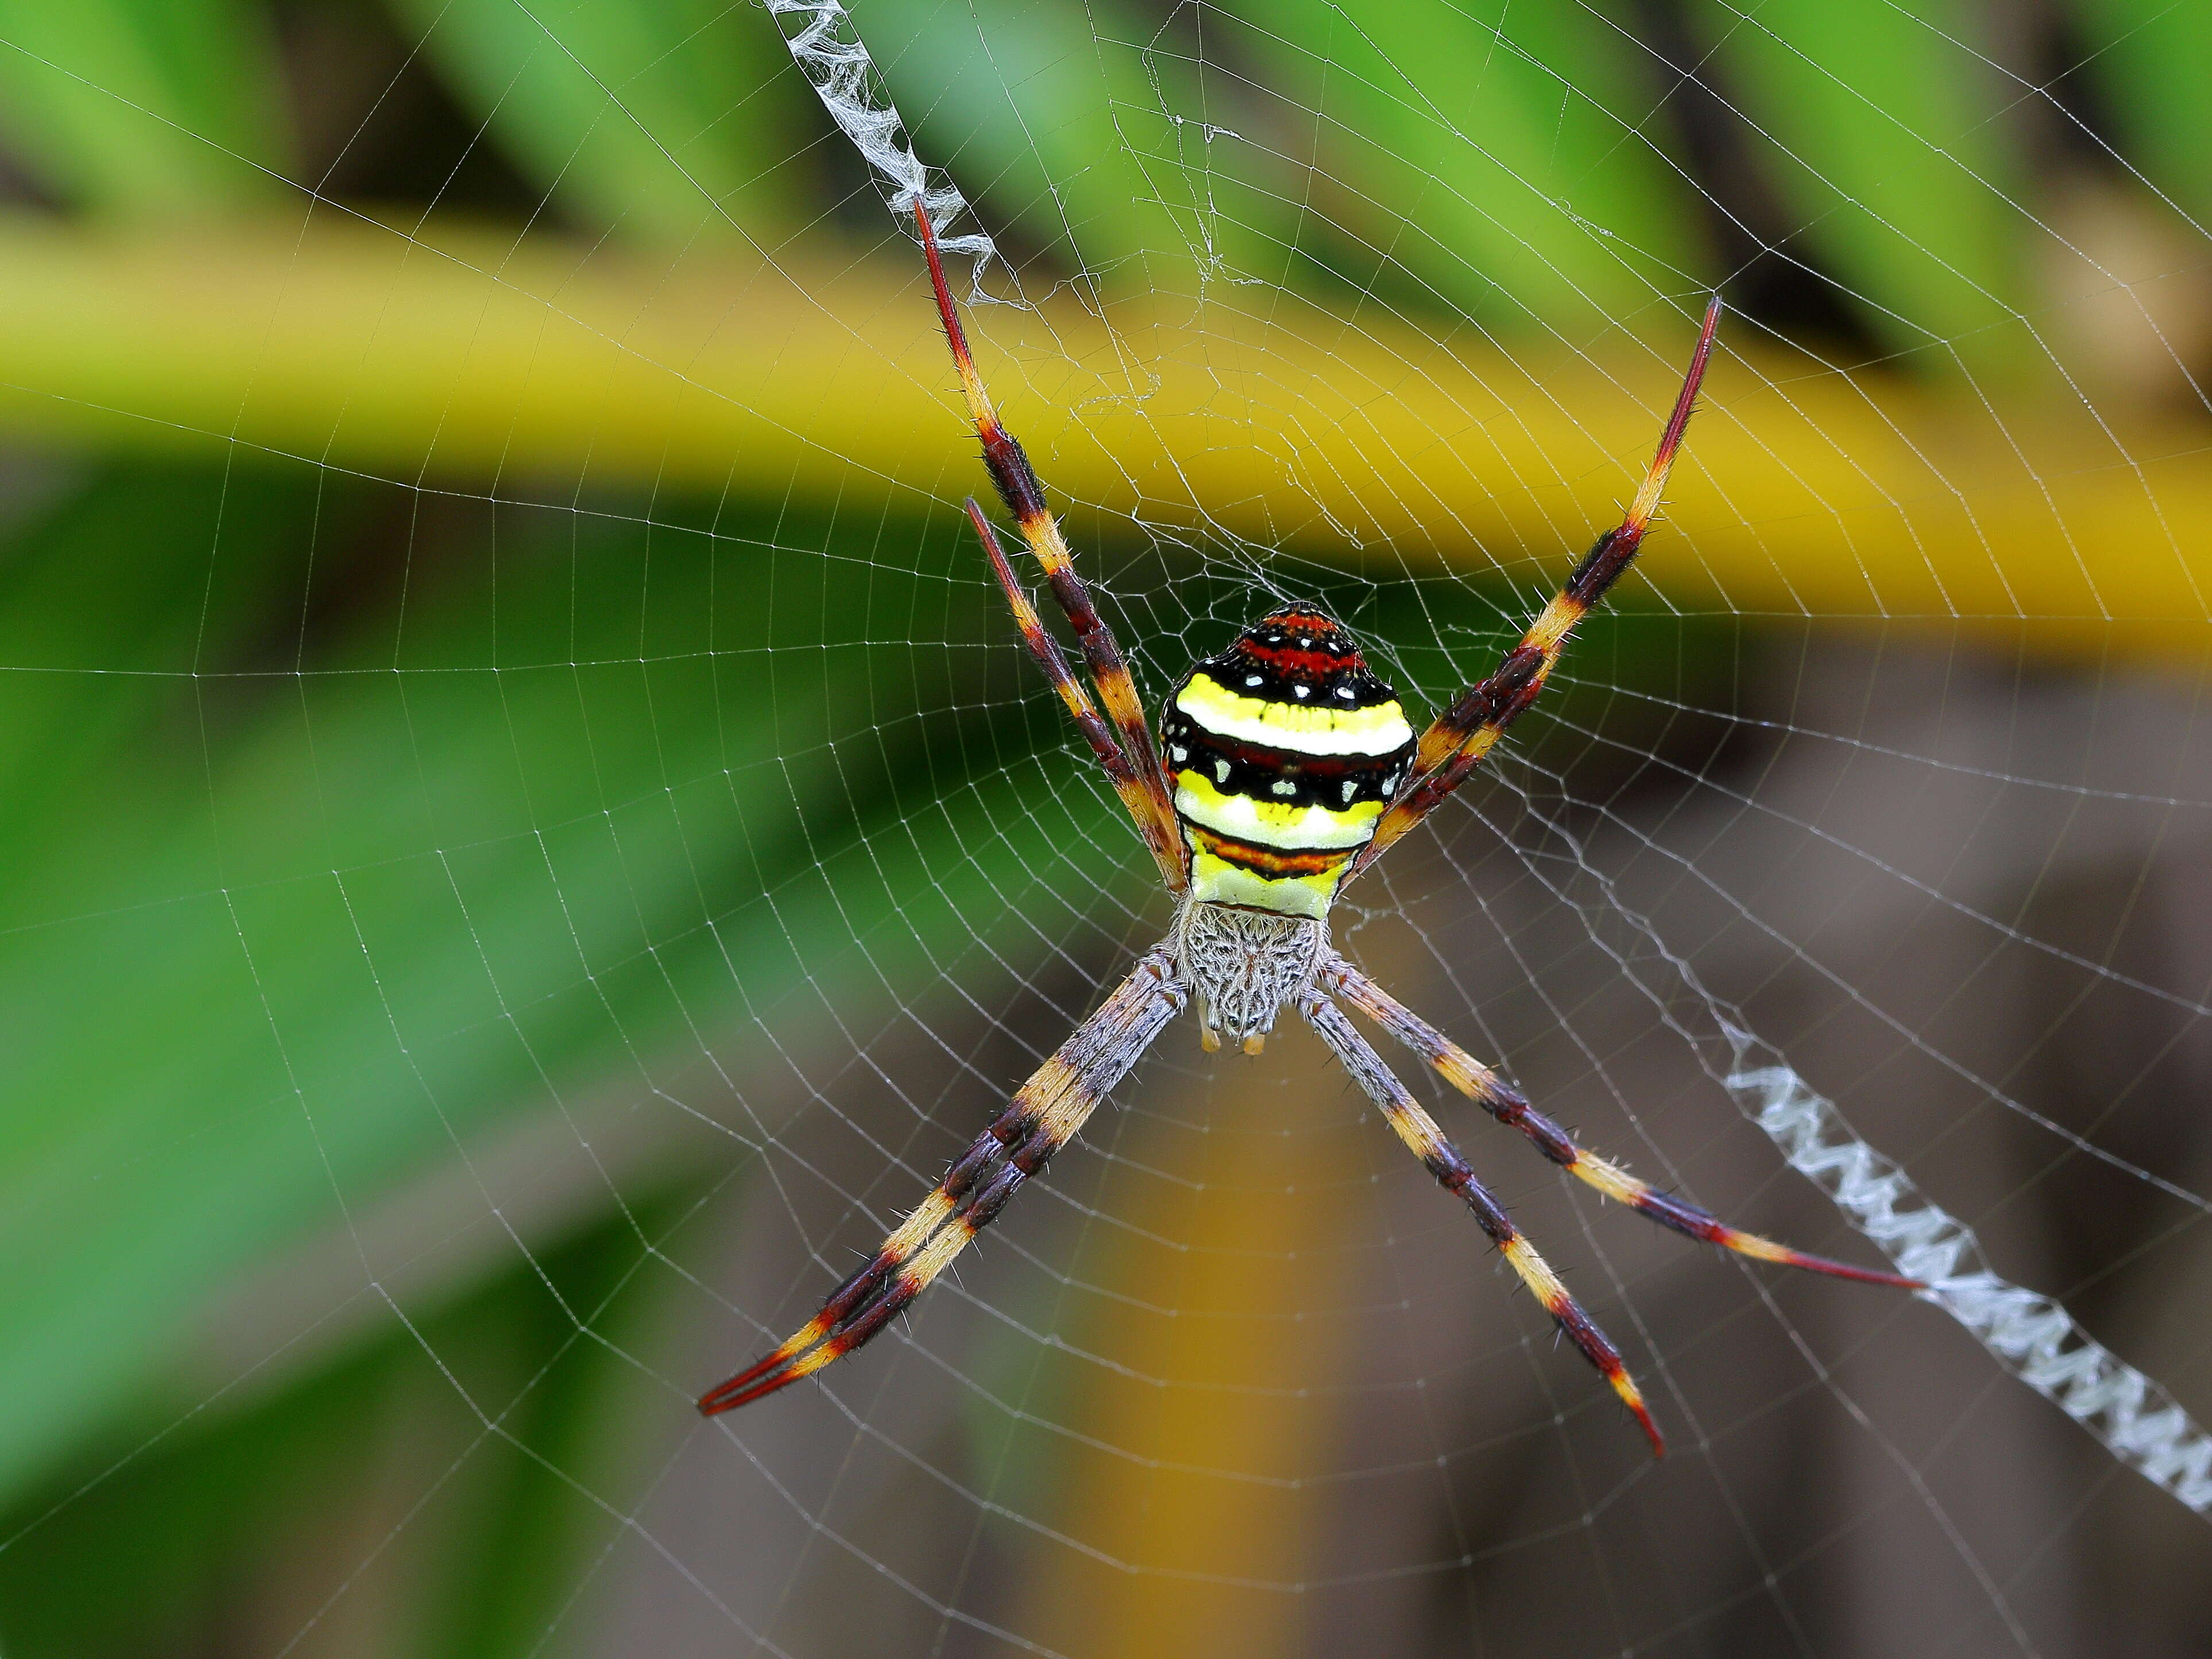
1495,151
234,1502
668,119
158,107
1086,132
625,789
2149,58
1882,131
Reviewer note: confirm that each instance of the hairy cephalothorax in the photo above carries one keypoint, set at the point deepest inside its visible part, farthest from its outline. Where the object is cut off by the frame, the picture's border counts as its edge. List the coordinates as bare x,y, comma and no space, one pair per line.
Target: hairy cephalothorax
1243,965
1290,767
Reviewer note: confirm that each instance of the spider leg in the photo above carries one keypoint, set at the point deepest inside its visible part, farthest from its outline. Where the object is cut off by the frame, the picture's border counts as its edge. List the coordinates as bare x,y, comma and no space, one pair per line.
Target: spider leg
1166,847
1443,1160
1488,1090
1023,492
1457,741
1045,1113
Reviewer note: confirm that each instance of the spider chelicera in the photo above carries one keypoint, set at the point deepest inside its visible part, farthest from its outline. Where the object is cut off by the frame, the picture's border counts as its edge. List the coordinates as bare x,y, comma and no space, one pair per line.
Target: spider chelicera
1291,768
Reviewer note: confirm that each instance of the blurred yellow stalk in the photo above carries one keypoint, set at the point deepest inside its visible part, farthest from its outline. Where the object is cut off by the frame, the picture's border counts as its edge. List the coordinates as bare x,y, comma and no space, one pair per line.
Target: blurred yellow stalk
1190,1490
522,366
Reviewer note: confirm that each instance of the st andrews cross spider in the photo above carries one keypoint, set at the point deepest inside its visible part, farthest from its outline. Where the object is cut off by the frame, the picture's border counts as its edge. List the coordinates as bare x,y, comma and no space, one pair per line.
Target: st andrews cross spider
1291,768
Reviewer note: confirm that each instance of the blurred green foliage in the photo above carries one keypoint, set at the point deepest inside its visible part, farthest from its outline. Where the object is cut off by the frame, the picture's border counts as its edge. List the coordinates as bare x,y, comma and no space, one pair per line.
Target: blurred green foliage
344,824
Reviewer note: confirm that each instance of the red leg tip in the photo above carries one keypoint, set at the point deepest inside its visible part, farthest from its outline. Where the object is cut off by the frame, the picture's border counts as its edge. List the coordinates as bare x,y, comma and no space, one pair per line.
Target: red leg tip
1821,1264
734,1393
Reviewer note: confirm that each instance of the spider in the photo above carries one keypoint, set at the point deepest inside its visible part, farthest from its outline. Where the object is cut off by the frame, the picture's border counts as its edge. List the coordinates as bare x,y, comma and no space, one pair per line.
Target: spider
1290,768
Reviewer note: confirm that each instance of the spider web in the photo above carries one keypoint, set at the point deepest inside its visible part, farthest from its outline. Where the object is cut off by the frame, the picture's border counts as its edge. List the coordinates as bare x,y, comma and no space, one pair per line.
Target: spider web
642,856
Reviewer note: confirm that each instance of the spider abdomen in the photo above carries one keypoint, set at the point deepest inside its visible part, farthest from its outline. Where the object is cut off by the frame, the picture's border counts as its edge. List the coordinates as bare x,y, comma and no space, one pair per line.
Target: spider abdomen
1284,750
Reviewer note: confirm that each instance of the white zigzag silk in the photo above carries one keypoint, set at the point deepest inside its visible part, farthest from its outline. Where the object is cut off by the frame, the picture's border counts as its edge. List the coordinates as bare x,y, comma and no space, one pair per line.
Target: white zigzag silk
2027,1333
829,51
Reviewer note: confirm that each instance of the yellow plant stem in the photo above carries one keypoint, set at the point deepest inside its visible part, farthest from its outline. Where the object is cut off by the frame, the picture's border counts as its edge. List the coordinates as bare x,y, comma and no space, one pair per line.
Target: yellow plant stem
1187,1494
468,359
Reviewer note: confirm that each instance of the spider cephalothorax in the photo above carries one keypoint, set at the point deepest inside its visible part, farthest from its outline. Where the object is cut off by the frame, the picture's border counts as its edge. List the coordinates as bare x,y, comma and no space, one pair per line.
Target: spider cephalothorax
1289,768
